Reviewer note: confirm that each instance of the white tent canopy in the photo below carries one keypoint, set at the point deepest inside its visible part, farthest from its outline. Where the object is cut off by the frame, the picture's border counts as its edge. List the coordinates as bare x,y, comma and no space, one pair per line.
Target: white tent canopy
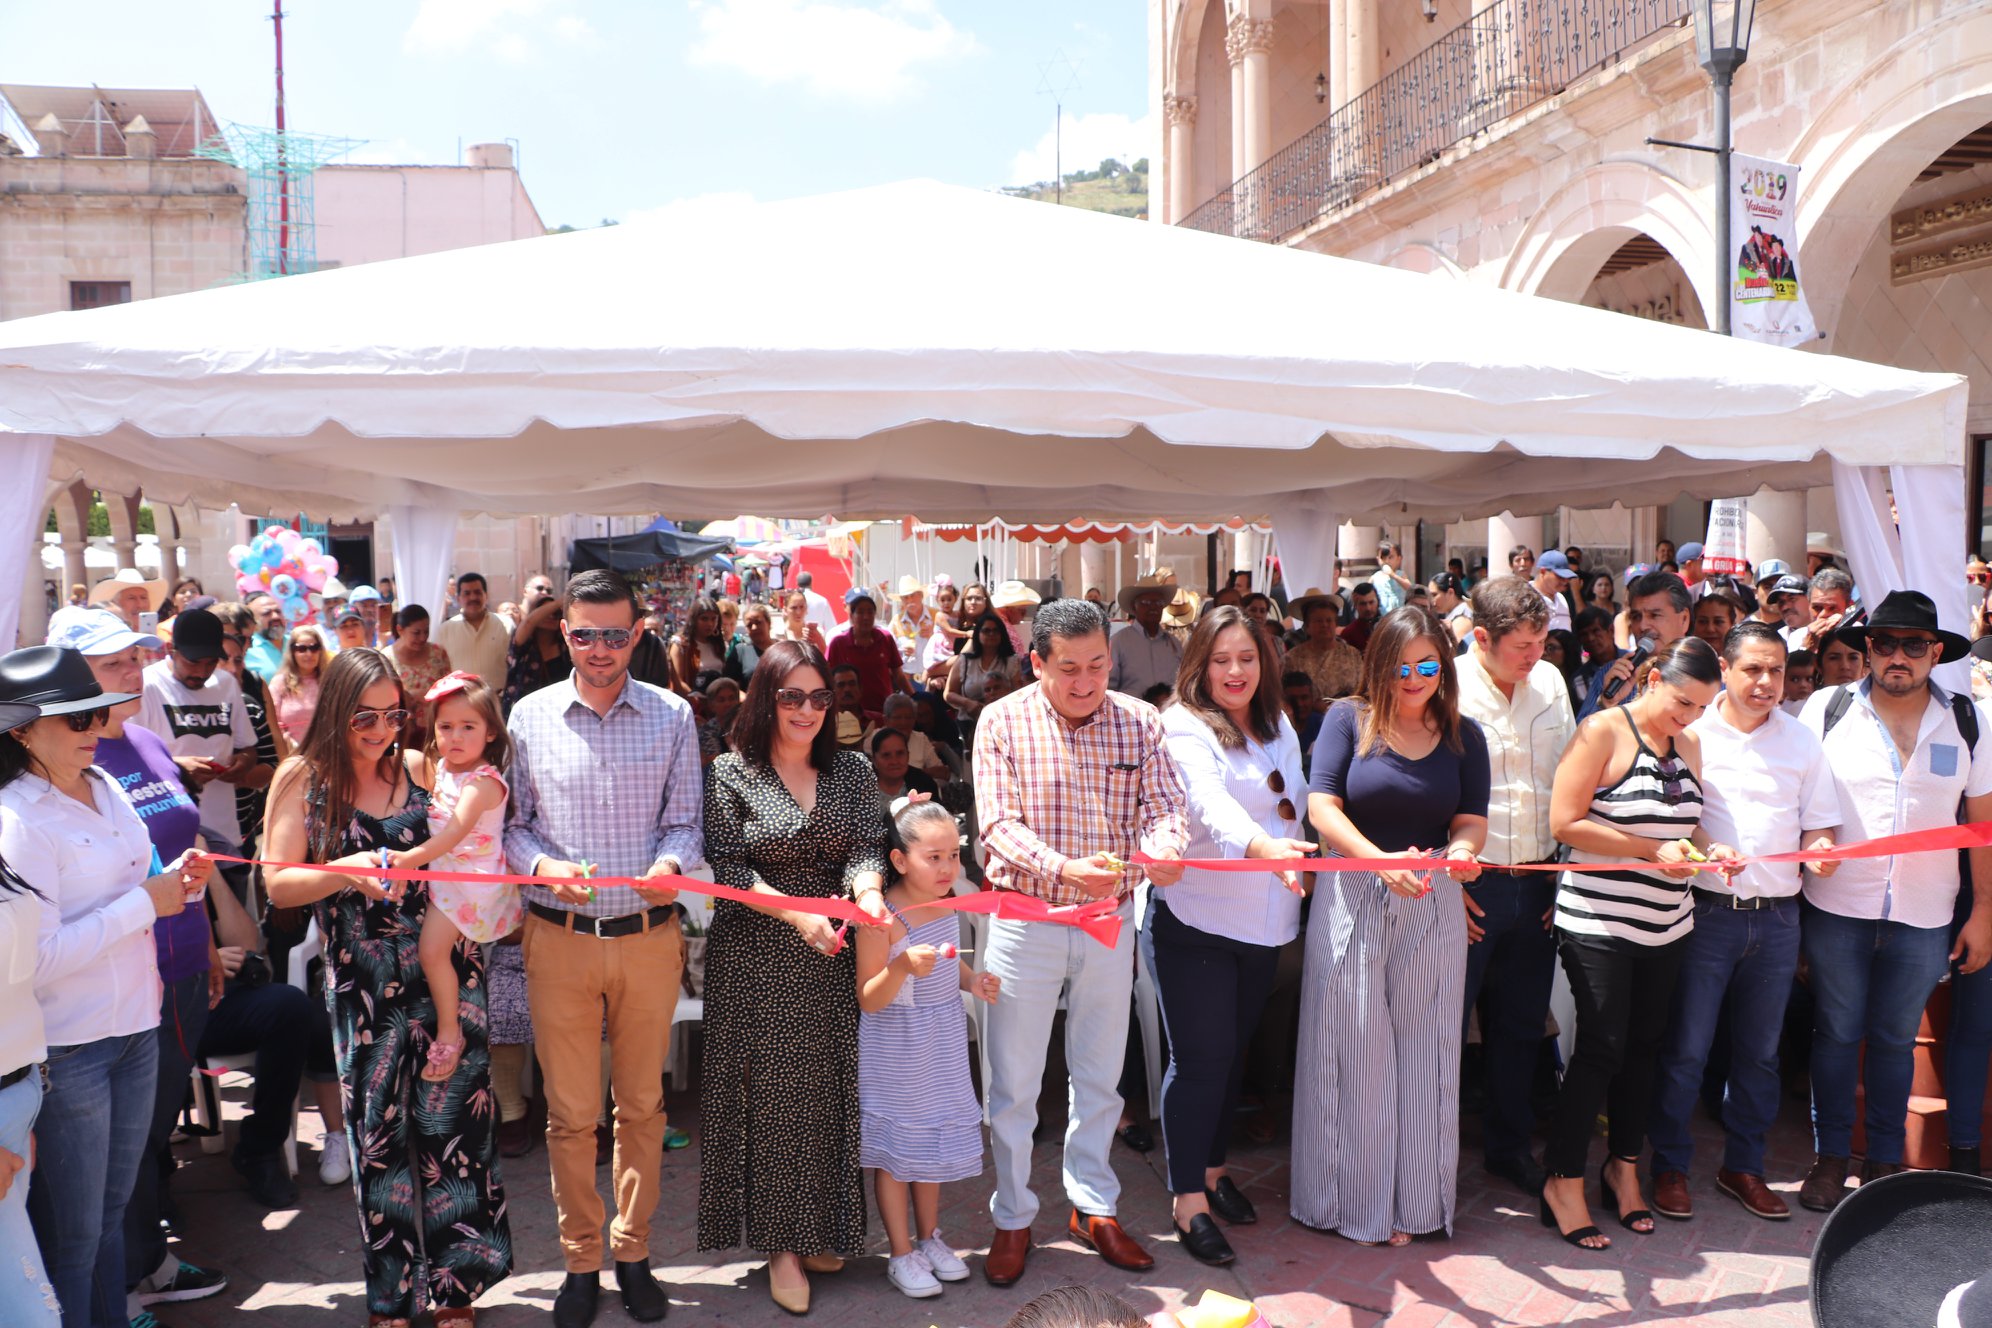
927,350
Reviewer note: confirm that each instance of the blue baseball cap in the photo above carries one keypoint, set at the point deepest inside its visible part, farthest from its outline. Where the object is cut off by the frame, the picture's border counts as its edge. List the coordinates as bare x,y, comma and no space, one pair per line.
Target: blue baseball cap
856,593
1553,560
361,594
1771,569
1637,570
1688,552
95,632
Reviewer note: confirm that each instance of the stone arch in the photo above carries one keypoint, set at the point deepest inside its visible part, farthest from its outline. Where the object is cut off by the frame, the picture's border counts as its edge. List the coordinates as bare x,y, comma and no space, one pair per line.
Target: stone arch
1875,136
1585,222
1426,259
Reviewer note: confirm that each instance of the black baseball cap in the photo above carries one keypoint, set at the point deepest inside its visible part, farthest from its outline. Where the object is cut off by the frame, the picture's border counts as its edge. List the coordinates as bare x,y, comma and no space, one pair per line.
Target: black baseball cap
197,634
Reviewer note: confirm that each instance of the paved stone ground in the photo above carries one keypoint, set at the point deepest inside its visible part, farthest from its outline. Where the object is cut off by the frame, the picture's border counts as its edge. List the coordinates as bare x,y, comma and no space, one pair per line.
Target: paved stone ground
1725,1269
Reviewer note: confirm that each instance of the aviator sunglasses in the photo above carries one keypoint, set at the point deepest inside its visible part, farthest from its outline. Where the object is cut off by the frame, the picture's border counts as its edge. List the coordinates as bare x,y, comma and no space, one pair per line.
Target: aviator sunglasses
793,698
364,720
1427,669
612,638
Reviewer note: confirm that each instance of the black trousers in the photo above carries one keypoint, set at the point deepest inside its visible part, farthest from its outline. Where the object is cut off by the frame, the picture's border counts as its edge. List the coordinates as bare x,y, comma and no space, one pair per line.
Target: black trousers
1625,995
289,1033
1212,990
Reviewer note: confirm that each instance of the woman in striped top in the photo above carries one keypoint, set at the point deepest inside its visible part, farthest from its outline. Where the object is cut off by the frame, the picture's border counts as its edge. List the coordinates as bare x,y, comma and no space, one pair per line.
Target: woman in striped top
1628,790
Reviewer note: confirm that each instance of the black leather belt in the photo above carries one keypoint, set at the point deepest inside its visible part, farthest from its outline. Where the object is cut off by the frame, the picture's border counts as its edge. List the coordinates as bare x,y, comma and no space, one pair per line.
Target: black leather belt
12,1077
1723,899
629,924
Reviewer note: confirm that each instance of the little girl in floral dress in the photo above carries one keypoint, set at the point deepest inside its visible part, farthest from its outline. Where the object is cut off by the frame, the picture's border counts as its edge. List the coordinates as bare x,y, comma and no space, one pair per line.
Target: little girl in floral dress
468,751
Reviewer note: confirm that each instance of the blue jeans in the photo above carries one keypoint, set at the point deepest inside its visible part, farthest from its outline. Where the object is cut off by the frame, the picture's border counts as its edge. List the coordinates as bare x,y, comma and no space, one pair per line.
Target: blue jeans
1515,963
183,1016
1968,1055
1870,981
89,1139
26,1298
1747,958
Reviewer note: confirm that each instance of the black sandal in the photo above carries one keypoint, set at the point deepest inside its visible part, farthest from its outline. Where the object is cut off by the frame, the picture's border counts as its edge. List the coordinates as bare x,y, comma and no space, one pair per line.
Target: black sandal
1577,1237
1626,1220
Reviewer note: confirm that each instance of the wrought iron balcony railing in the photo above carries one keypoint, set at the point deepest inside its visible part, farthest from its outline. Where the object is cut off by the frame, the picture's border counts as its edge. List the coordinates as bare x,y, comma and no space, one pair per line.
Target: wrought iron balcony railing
1505,59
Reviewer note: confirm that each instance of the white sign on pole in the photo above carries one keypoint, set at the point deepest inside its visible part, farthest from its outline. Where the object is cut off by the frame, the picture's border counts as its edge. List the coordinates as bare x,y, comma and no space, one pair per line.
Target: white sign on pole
1722,551
1766,300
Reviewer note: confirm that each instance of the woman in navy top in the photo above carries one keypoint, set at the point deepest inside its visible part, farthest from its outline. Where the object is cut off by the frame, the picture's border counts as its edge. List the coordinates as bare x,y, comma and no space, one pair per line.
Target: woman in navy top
1397,772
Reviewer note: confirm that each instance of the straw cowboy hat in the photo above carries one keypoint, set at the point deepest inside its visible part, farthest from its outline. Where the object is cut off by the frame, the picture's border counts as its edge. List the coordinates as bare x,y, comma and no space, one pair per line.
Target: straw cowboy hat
1161,583
1184,608
110,588
909,585
1297,608
1902,1249
1013,595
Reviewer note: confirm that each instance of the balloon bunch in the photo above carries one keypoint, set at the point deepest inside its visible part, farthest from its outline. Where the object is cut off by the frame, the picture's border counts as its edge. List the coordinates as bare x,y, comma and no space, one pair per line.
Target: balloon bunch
284,564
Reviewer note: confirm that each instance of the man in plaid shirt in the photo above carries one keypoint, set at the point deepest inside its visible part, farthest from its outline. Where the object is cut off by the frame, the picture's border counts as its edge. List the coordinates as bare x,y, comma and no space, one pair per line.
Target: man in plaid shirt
1071,779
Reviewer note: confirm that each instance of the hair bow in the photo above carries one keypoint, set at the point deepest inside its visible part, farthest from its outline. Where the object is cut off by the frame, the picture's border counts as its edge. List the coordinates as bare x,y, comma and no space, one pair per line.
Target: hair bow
455,681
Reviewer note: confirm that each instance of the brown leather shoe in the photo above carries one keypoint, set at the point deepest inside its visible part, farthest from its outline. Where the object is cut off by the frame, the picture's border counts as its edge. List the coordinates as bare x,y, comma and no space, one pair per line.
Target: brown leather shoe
1008,1253
1825,1185
1114,1245
1671,1197
1753,1194
1872,1170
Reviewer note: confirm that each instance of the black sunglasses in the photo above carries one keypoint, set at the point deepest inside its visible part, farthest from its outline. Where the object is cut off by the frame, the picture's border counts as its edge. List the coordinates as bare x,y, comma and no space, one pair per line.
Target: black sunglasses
1915,647
793,698
1277,783
82,721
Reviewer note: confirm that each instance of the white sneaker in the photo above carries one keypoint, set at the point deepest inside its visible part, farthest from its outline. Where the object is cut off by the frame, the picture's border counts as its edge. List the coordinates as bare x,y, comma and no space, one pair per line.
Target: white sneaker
909,1272
335,1160
941,1260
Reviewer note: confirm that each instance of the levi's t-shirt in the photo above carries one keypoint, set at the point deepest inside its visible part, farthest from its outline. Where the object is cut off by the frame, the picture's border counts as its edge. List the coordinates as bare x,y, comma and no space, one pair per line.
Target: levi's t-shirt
210,722
144,769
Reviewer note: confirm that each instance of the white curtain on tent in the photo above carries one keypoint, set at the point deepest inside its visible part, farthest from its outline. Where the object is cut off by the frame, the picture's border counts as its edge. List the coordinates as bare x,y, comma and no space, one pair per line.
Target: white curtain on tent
1309,534
23,513
424,540
1925,554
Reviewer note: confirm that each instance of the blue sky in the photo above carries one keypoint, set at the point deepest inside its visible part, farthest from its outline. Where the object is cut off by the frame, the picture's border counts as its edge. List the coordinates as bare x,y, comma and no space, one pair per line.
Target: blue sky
626,106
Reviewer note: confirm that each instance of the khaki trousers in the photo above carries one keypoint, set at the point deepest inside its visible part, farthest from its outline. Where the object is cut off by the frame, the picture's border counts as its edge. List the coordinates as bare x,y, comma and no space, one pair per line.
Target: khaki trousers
572,981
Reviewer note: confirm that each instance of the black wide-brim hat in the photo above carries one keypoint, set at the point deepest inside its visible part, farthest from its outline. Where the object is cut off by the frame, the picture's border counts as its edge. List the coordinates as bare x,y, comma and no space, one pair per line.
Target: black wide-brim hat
55,681
1894,1248
1910,611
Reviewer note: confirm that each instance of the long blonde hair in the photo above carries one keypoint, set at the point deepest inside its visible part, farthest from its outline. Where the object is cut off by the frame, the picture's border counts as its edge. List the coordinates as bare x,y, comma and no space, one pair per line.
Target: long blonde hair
294,677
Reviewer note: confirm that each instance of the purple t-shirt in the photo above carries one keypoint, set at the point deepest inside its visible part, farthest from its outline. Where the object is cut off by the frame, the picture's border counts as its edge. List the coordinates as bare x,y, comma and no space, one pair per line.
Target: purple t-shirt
1400,804
144,769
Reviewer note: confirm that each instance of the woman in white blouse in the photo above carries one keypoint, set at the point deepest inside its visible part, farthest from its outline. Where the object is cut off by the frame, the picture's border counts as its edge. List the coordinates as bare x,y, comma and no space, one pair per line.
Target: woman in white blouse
71,835
1213,939
27,1300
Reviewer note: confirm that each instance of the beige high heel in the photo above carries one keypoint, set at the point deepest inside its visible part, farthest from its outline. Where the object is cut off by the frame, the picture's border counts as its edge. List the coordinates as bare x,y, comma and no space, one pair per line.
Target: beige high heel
794,1300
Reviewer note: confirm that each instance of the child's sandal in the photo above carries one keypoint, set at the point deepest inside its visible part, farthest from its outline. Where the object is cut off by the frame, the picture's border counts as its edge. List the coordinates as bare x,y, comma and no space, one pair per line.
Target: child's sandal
443,1058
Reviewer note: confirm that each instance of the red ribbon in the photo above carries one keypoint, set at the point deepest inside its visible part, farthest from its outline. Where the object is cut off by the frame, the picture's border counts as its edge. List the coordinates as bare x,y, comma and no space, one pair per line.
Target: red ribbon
1098,918
1976,834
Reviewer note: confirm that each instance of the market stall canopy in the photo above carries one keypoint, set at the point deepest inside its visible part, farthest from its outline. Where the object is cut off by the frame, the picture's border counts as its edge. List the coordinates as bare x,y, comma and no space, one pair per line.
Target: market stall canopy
922,348
745,530
662,542
1078,532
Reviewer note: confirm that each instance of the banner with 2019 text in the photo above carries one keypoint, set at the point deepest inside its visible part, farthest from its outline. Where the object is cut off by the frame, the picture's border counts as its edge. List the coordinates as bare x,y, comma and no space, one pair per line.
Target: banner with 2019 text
1766,295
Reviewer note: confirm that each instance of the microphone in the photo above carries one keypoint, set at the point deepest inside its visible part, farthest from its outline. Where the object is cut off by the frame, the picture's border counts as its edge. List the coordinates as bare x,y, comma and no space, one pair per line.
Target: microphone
1644,646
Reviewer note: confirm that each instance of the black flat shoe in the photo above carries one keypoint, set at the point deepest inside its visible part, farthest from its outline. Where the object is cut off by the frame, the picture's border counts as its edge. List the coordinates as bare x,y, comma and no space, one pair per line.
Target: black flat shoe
641,1295
1626,1220
1229,1202
1205,1242
1136,1136
574,1307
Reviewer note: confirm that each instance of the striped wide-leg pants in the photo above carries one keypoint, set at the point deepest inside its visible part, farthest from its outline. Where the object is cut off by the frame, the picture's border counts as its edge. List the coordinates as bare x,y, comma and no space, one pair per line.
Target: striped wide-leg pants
1376,1102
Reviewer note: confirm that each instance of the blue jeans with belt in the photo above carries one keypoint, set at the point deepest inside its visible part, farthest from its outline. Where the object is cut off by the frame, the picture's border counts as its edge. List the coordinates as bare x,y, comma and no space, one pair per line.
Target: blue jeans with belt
1514,963
1747,958
1870,981
89,1139
27,1300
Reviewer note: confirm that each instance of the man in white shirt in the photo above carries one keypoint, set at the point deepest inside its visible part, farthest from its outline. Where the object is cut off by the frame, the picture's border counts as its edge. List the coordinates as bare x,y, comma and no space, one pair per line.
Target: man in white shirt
476,639
1766,789
198,710
1523,710
1553,577
1877,934
1144,654
820,611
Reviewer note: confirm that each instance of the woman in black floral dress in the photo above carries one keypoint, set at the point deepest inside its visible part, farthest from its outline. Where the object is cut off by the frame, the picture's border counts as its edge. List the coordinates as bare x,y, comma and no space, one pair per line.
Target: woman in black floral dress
786,812
432,1212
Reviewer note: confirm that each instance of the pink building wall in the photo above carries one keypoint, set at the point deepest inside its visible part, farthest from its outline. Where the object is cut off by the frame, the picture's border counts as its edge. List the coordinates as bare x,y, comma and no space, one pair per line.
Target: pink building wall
369,213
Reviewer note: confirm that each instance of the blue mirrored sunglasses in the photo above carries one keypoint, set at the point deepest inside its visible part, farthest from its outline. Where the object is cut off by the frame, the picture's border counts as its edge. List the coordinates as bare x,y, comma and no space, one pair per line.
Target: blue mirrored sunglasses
1427,669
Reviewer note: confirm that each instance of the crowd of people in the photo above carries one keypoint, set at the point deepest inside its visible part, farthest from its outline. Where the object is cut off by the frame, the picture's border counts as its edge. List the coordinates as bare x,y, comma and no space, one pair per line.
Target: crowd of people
1624,773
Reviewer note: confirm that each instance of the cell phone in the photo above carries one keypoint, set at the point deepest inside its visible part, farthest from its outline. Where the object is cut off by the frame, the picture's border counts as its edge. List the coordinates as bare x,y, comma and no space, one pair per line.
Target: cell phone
215,765
148,623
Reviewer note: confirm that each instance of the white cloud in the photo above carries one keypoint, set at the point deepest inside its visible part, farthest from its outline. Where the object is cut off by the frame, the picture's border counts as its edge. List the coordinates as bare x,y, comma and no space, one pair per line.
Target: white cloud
508,29
858,51
1089,140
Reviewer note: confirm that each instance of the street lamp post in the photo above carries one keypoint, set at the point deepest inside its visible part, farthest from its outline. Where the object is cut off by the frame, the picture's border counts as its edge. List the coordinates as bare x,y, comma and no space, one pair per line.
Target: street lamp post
1722,44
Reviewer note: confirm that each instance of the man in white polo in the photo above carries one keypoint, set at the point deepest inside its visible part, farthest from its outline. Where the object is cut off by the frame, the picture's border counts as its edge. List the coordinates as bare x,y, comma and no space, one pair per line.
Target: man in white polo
476,639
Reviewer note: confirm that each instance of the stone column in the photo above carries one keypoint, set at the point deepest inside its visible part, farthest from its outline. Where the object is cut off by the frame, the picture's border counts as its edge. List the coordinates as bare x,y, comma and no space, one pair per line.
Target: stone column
1504,532
72,521
1775,527
1249,43
1096,568
1365,50
123,511
1234,52
169,543
1181,115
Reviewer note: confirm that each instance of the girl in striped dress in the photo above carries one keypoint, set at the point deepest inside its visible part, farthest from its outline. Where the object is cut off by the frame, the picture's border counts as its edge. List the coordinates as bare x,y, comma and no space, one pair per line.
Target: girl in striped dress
1628,790
922,1124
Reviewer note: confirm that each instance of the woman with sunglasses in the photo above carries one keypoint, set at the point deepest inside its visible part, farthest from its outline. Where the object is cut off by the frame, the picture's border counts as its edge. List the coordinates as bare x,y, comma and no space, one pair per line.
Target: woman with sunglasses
1628,789
786,812
349,795
1213,938
71,834
1398,772
294,688
987,653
